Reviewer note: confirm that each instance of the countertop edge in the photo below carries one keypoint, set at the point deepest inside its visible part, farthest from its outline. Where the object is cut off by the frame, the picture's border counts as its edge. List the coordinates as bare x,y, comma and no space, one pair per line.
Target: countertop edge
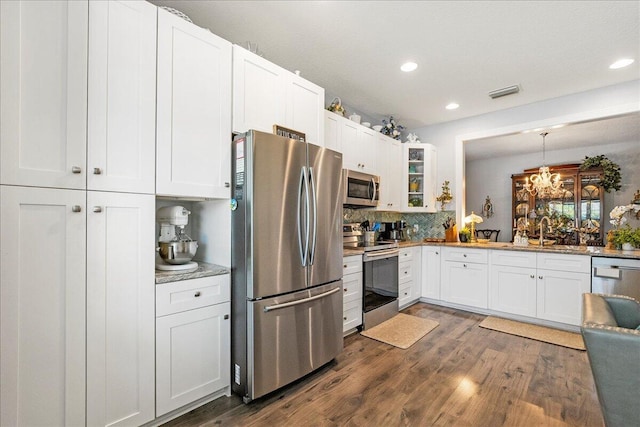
204,270
592,251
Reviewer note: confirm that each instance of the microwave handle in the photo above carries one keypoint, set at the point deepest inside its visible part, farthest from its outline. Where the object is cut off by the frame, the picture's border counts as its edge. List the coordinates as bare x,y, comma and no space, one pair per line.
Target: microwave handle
375,190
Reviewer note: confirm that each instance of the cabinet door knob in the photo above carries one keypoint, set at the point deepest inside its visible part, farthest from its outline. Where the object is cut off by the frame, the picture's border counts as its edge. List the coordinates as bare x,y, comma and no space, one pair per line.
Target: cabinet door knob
97,209
97,171
464,255
437,253
197,294
344,318
464,265
226,317
76,169
540,277
533,276
76,208
345,266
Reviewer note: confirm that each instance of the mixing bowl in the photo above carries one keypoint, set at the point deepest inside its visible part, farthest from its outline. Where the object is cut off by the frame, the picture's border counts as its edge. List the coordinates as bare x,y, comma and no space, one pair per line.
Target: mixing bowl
178,252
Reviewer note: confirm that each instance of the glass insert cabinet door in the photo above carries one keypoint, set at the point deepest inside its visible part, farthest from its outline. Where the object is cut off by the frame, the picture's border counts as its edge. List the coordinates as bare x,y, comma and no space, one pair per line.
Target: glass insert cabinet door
575,211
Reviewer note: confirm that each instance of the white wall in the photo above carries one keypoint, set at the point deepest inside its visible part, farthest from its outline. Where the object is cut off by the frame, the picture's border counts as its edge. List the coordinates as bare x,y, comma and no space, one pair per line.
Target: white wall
492,177
448,137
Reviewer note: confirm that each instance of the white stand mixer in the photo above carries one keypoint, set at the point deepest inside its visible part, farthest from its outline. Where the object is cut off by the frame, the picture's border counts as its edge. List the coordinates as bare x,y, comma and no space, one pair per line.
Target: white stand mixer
175,248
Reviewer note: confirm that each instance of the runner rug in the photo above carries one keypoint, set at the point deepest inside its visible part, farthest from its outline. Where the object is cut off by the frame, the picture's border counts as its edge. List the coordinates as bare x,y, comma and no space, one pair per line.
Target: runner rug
401,331
535,332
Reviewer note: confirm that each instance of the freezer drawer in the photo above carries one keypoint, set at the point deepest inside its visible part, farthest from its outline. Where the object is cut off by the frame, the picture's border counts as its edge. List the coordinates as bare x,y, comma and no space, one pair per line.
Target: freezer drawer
292,335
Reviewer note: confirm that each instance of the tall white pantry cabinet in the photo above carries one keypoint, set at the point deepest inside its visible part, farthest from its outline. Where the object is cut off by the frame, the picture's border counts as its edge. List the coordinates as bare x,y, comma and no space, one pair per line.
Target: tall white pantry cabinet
77,141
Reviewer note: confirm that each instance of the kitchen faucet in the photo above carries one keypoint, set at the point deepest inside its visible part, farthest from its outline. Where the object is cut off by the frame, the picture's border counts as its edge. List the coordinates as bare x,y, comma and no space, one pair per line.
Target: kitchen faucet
541,232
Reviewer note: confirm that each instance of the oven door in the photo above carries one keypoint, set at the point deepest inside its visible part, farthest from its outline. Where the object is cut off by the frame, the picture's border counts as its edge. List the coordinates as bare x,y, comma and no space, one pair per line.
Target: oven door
380,277
360,189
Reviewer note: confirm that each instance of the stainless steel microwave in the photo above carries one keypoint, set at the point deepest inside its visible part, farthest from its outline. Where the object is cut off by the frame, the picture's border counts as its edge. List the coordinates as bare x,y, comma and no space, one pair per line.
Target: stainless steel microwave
361,190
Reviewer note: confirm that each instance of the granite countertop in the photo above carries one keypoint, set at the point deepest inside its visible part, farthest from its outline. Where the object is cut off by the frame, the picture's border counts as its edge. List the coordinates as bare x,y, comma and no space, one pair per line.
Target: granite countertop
595,251
204,270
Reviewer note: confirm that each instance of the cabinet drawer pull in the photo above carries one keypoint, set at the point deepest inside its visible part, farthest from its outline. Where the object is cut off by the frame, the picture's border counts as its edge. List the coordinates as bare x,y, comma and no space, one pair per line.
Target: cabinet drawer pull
533,276
197,294
464,255
76,169
97,209
76,208
437,253
540,277
227,185
226,317
97,171
464,265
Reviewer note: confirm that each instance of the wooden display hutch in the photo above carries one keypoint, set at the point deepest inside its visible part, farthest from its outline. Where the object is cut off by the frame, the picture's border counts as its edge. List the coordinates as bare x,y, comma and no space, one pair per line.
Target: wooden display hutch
576,213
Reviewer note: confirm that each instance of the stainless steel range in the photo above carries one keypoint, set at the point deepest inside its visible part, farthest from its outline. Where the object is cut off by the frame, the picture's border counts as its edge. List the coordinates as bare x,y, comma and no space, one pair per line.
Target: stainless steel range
379,275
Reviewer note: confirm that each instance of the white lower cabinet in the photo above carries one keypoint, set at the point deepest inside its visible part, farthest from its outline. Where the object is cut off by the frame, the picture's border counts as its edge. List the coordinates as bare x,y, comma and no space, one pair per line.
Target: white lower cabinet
465,277
352,292
42,306
547,286
431,272
193,339
560,286
409,284
513,282
120,308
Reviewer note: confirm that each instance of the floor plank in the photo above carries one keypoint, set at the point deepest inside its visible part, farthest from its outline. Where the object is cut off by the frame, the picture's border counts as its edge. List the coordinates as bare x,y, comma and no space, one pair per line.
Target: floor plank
458,374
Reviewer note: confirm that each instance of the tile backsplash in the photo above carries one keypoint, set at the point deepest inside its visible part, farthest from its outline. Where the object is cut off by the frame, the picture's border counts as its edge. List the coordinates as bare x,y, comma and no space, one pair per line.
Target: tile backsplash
429,224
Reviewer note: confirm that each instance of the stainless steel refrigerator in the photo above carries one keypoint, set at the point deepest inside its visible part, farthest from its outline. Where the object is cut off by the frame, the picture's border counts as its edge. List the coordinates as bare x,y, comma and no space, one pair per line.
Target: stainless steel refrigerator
286,261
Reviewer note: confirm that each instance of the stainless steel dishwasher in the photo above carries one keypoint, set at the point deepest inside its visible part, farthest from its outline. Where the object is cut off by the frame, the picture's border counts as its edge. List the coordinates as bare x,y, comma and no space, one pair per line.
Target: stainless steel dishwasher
619,276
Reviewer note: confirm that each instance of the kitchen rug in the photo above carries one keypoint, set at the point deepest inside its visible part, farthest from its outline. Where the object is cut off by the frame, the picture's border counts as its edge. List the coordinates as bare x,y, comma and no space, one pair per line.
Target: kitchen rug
534,332
401,331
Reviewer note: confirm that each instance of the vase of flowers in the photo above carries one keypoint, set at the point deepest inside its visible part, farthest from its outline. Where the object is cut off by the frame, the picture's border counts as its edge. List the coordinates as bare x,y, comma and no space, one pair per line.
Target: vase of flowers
391,128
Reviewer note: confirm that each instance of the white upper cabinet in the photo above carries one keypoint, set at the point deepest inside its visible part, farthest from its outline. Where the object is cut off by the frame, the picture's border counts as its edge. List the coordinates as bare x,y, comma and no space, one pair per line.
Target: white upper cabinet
359,145
43,93
258,92
418,178
193,110
42,306
389,166
122,96
332,131
265,94
305,109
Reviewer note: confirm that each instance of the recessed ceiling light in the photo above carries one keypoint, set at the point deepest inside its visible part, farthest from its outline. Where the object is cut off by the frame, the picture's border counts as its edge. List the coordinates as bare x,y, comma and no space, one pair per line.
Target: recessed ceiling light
452,106
409,66
621,63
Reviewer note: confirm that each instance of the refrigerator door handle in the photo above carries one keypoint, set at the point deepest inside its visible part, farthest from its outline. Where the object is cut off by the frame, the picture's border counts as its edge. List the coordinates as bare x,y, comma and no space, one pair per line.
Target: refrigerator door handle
303,251
314,200
300,301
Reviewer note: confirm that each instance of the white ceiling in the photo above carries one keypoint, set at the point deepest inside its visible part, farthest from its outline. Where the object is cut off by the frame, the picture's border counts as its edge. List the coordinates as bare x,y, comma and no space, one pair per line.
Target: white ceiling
464,49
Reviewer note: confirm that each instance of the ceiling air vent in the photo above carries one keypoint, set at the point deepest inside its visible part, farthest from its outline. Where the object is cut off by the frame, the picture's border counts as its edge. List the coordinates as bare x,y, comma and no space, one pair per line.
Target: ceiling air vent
504,91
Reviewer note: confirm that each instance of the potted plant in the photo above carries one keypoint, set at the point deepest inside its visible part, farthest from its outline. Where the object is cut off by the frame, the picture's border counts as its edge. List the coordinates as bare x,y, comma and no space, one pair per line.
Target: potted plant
626,238
464,234
611,171
445,197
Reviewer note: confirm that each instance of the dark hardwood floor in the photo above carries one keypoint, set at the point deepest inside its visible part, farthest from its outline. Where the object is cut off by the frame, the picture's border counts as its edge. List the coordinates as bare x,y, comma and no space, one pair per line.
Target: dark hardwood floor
457,375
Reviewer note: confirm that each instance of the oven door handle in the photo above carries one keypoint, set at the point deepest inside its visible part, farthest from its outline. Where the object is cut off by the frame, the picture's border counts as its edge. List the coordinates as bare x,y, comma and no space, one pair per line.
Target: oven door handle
300,301
374,255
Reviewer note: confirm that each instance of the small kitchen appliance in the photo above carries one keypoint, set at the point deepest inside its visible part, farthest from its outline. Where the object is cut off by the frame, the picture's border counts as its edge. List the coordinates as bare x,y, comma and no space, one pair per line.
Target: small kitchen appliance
175,247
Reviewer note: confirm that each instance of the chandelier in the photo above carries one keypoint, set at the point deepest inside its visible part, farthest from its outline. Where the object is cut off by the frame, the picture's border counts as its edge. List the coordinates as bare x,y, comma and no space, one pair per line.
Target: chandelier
544,184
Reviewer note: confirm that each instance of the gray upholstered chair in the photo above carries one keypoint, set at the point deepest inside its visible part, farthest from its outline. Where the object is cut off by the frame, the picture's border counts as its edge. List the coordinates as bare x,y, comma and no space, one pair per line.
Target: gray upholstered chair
609,328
